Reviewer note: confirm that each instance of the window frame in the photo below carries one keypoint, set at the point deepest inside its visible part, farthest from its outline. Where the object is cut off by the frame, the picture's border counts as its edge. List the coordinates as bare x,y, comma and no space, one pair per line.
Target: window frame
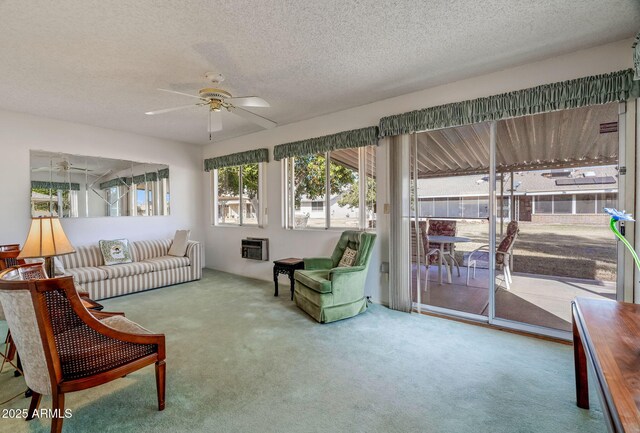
288,192
261,211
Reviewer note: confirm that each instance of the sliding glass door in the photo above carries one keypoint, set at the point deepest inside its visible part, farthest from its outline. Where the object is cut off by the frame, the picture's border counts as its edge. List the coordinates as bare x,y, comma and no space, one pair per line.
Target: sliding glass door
508,223
450,222
559,170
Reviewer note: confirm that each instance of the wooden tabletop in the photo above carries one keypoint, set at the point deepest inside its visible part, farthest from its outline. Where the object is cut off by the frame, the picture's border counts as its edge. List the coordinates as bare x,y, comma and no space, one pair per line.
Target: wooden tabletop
611,332
289,261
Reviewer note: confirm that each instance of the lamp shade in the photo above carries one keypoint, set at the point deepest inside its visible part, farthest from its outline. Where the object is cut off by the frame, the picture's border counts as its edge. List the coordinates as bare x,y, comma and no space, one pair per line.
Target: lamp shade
46,239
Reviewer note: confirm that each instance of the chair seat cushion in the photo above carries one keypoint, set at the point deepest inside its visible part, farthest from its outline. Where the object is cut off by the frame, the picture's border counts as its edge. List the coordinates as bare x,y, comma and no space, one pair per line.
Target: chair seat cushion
86,275
123,324
127,269
167,262
316,280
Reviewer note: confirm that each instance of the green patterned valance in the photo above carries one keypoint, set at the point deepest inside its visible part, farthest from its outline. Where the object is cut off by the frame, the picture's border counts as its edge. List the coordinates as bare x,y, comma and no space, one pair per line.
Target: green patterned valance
240,158
636,57
598,89
341,140
118,181
64,186
145,177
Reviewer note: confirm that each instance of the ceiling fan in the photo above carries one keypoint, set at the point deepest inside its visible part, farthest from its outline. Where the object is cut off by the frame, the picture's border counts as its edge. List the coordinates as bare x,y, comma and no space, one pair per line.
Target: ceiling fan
216,100
61,166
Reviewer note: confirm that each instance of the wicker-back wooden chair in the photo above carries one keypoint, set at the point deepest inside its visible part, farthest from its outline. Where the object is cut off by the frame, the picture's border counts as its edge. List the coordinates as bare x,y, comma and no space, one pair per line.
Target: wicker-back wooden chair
9,256
65,348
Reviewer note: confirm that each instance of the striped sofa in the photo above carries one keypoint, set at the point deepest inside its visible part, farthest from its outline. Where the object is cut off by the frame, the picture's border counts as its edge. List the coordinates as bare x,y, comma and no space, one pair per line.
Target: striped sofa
151,268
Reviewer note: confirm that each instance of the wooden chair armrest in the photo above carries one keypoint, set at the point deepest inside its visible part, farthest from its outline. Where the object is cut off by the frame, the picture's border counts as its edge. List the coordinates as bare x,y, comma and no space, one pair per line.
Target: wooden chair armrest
104,314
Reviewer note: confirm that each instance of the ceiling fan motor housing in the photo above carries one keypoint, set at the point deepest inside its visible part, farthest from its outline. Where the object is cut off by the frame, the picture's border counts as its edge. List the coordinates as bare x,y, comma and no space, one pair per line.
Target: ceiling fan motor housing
211,93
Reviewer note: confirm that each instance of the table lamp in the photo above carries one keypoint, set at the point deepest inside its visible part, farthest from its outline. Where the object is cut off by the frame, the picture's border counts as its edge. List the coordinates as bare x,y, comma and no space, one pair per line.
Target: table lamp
46,239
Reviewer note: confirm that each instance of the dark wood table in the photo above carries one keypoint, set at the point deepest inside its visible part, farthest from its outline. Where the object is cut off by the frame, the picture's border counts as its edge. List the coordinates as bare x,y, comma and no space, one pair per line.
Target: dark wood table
288,267
606,336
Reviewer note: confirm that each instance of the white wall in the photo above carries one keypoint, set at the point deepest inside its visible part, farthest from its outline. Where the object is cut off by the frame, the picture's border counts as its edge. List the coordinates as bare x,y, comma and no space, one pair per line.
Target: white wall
223,243
21,132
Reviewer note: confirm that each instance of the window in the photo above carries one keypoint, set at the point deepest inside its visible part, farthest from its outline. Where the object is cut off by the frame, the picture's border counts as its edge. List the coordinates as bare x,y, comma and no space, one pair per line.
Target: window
585,203
141,199
470,207
543,204
608,199
54,202
563,204
237,198
440,207
336,189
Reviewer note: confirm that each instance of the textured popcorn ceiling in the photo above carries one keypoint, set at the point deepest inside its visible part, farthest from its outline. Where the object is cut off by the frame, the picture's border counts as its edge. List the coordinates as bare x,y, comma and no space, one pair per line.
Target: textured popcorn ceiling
99,62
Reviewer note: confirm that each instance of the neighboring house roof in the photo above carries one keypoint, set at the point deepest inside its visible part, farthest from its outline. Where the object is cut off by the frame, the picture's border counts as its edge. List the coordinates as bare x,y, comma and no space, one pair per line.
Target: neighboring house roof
526,182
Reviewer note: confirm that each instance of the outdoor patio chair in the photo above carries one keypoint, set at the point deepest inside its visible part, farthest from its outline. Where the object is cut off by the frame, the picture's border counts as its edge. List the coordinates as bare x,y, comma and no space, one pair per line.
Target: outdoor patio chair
504,255
445,228
432,255
65,348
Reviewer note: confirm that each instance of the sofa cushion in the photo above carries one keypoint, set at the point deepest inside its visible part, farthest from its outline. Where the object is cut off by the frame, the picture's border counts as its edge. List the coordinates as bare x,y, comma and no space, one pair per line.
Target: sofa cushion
167,262
86,275
127,269
149,249
315,279
179,244
84,257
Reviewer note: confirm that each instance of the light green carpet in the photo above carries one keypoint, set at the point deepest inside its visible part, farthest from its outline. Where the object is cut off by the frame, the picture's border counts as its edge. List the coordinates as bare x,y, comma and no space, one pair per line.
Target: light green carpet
240,360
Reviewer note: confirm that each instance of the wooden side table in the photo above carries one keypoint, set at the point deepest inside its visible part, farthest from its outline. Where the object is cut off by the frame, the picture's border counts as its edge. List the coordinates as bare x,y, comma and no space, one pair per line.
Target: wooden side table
288,267
606,337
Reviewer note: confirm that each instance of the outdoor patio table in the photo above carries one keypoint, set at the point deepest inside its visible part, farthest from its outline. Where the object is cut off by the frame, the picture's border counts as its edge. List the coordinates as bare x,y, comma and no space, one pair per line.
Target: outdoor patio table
442,241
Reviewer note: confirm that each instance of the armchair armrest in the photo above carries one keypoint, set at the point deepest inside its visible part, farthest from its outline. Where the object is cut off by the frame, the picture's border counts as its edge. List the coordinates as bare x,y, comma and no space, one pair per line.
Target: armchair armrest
318,263
345,270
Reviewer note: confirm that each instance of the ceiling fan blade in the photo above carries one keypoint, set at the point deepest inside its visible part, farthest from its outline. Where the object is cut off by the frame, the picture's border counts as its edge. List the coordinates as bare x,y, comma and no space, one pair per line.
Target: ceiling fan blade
215,121
248,101
167,110
252,117
180,93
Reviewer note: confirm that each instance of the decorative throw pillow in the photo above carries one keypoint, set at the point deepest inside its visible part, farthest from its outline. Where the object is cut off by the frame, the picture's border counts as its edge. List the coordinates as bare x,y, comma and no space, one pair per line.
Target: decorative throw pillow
115,251
179,244
348,258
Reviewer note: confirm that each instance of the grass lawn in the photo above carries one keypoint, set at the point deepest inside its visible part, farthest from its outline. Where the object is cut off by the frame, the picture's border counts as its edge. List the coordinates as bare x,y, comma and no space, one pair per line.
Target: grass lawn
578,251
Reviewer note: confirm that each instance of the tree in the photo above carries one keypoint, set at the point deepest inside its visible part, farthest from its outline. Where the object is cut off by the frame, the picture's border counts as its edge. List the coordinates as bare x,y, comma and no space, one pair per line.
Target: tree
229,182
351,197
309,177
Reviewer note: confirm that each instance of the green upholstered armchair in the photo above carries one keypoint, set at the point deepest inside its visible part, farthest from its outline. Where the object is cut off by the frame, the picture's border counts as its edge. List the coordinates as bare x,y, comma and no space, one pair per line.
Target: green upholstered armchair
328,292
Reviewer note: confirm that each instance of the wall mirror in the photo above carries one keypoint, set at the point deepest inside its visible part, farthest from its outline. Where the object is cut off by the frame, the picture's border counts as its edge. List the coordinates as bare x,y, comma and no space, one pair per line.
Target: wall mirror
73,186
